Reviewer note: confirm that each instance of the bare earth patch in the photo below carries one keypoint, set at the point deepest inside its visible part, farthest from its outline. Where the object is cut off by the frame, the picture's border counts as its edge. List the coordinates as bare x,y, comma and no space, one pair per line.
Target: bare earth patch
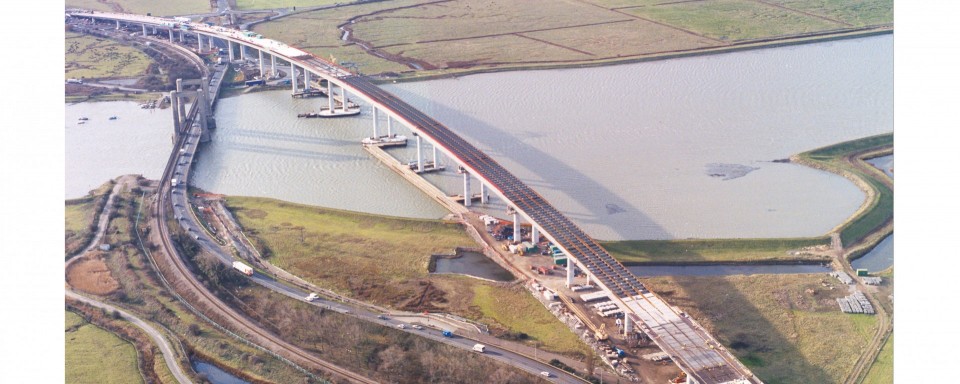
91,275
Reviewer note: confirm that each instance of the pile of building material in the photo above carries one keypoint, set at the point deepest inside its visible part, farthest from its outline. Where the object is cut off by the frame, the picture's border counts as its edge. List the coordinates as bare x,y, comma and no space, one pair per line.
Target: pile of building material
871,280
855,303
843,277
659,356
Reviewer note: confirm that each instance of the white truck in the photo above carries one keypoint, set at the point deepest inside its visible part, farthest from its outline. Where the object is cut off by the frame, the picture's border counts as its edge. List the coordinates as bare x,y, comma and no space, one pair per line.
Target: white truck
243,268
479,348
173,182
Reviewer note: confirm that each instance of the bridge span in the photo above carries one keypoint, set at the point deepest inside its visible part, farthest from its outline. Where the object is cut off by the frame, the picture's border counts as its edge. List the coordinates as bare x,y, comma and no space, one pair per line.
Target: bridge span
694,350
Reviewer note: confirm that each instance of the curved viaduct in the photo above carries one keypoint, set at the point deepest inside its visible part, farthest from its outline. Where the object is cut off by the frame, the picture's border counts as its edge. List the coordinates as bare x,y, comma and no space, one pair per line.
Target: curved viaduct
694,350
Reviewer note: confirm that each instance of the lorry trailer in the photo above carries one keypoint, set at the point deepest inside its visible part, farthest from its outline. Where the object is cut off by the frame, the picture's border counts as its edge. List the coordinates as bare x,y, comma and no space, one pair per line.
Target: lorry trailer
243,268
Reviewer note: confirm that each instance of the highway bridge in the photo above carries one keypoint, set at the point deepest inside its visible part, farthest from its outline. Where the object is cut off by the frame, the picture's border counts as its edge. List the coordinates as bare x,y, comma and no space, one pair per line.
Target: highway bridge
694,350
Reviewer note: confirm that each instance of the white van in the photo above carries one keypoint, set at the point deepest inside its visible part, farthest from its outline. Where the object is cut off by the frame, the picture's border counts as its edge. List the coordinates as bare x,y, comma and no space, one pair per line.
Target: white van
479,348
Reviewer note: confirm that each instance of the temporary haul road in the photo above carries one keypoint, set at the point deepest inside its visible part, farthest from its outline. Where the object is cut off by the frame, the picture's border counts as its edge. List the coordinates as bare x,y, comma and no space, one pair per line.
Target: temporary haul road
694,350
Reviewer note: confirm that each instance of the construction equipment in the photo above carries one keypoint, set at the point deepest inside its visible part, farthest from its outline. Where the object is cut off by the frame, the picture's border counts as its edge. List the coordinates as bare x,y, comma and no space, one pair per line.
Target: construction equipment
601,334
680,379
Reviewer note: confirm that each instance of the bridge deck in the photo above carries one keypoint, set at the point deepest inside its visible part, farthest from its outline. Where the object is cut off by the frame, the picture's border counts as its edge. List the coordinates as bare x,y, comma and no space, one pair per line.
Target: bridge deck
692,348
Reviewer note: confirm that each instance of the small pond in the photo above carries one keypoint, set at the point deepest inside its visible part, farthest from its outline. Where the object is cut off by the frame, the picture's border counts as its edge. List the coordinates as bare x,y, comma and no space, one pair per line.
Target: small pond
472,264
879,258
215,375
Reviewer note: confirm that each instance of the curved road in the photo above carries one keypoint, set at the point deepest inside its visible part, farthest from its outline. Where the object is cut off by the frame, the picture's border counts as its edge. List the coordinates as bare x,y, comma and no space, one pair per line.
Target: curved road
165,348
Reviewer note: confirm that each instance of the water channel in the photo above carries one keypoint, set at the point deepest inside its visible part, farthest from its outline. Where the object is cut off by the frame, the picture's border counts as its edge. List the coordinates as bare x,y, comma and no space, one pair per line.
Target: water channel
215,375
881,256
724,270
658,150
473,264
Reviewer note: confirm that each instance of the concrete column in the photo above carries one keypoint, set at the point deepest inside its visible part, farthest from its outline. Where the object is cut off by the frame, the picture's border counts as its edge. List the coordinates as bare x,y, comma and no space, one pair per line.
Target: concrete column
176,115
260,60
212,45
229,49
484,196
306,79
273,65
466,189
535,235
389,126
375,133
293,77
420,154
199,42
436,164
516,226
242,49
183,107
118,24
571,266
144,26
154,30
170,33
330,96
181,36
627,324
343,98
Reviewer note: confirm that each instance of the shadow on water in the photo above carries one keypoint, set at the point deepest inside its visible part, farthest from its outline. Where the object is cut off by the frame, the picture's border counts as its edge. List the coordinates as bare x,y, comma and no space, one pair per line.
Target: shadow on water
291,138
762,335
313,155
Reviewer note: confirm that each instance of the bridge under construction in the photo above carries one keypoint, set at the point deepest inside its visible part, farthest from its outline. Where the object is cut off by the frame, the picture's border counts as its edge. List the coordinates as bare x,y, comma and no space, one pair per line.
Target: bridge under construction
694,350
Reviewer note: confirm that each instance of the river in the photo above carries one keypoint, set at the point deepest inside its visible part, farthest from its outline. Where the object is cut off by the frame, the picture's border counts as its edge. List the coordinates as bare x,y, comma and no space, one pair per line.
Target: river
658,150
137,142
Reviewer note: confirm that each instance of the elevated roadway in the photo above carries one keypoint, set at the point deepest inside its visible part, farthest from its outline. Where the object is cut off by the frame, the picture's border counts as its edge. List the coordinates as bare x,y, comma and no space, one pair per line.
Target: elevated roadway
694,350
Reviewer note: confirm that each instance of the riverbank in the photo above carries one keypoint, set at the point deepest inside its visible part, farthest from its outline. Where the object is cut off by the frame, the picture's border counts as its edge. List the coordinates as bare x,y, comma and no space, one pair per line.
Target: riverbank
448,74
384,260
873,221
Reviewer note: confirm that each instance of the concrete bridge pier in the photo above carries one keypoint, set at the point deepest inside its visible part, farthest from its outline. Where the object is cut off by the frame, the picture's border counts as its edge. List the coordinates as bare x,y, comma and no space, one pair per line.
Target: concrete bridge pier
466,189
118,24
420,158
182,109
260,61
170,33
144,27
306,80
242,50
199,43
571,268
516,227
229,50
627,323
484,195
273,65
436,162
535,235
343,100
181,36
375,118
154,30
389,124
174,107
293,78
330,96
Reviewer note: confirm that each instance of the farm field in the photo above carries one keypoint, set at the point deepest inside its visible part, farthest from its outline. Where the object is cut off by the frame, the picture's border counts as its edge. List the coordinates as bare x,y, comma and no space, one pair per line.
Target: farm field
411,38
156,8
97,58
785,328
94,355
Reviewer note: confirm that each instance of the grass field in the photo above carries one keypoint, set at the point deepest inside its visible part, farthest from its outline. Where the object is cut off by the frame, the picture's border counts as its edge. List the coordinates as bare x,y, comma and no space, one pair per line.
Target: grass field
732,20
882,370
156,8
880,209
411,38
711,250
78,215
96,356
785,328
93,58
268,4
384,260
